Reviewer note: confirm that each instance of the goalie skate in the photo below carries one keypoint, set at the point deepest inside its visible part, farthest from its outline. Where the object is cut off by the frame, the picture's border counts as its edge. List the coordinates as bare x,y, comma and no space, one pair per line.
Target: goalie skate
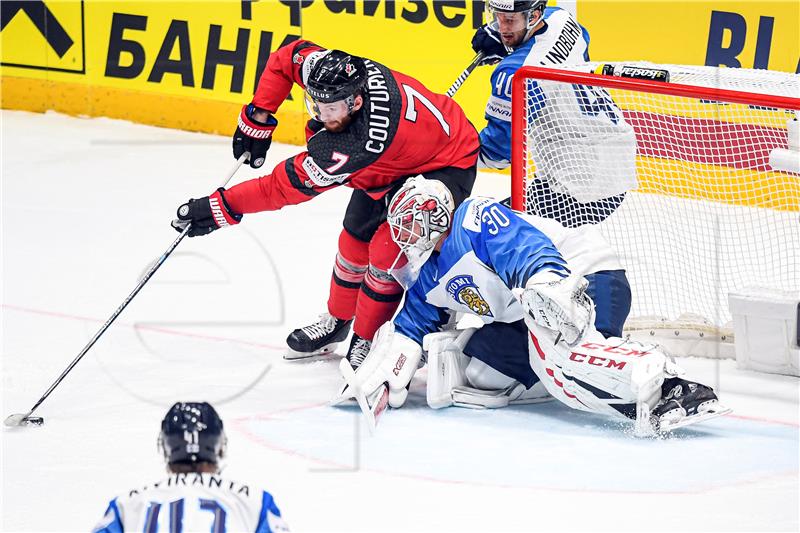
706,411
320,338
684,403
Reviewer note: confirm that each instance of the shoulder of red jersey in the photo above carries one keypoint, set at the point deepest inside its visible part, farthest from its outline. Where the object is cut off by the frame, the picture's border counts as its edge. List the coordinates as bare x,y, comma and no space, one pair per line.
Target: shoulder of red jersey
306,54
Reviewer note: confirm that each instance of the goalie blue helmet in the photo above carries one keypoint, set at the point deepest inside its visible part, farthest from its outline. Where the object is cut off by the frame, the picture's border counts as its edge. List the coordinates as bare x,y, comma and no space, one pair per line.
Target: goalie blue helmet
191,433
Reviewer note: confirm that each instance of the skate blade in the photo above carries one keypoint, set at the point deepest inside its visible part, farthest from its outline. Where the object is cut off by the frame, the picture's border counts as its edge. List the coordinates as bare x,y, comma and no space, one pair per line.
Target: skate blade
712,412
291,355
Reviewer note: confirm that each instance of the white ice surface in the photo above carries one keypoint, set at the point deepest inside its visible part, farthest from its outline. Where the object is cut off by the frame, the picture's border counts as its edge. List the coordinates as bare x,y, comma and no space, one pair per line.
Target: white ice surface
85,208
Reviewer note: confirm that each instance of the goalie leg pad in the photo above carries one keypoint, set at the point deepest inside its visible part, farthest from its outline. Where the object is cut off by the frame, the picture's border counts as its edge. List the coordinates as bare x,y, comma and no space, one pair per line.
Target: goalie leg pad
446,365
455,379
610,376
514,394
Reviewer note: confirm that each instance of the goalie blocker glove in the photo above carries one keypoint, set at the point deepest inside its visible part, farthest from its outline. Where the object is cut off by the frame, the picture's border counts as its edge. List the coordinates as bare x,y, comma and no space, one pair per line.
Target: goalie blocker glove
392,361
487,41
253,136
205,214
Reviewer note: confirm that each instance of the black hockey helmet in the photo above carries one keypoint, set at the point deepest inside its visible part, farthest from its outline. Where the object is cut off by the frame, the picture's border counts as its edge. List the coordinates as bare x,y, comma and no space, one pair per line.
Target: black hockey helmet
191,432
336,76
514,6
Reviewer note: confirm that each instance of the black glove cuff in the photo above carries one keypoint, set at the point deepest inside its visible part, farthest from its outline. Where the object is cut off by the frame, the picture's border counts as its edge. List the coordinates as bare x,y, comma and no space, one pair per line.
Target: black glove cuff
250,109
236,216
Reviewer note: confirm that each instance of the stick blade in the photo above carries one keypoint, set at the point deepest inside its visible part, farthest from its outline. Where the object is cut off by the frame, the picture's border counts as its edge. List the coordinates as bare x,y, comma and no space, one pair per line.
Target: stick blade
19,420
15,420
372,406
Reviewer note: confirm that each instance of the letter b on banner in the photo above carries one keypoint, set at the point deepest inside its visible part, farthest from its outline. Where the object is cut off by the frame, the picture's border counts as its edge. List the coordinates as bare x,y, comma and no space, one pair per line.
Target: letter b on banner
716,54
735,24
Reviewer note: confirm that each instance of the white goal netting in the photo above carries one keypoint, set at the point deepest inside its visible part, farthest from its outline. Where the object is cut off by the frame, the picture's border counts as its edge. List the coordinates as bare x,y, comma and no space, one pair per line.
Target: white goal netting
694,182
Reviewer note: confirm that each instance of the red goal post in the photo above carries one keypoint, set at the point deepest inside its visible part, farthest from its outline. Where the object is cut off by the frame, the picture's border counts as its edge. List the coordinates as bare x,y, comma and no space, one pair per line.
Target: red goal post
715,205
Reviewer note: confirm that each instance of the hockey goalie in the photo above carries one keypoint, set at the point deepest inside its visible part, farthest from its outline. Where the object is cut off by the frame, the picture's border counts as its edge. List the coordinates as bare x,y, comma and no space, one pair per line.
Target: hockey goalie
552,302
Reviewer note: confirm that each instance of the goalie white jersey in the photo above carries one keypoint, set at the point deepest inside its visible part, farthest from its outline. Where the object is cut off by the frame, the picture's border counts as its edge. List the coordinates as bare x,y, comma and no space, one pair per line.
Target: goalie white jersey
193,502
491,251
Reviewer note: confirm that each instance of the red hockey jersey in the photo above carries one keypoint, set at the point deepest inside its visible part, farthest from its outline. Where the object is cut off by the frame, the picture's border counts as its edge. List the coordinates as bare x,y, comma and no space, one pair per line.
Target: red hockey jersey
402,130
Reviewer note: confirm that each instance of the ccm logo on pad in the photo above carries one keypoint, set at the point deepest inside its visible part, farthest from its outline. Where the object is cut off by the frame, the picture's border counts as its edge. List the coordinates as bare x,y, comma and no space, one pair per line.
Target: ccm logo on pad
596,361
398,366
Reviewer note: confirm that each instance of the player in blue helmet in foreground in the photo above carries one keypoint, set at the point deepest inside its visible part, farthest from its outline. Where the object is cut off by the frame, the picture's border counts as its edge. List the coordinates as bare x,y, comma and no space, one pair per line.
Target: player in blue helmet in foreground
195,497
552,301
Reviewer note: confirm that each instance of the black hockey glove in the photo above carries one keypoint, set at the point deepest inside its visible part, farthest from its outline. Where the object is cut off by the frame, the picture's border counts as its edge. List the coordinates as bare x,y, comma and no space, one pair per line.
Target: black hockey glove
205,215
487,40
253,136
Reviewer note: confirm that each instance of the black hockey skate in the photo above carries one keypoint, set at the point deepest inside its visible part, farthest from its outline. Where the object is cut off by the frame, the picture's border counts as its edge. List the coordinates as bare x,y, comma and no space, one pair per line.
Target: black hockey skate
359,348
319,338
683,403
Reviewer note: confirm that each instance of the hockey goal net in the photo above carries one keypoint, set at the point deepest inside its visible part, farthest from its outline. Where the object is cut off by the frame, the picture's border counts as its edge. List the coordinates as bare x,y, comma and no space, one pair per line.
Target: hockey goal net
695,182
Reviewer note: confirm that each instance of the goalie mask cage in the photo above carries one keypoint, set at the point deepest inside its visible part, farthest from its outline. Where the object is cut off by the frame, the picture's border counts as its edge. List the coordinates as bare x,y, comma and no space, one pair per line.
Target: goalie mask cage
710,162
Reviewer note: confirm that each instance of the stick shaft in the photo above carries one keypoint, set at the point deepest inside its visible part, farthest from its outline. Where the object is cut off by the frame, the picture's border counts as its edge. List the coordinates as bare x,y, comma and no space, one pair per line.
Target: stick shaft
149,274
464,75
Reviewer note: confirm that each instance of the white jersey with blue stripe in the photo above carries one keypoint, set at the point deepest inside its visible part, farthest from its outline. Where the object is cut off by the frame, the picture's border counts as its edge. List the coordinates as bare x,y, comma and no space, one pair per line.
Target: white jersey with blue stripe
560,41
490,251
193,502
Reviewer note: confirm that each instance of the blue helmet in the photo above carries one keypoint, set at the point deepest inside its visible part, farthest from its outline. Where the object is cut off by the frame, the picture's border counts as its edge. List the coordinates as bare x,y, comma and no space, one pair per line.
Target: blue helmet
191,433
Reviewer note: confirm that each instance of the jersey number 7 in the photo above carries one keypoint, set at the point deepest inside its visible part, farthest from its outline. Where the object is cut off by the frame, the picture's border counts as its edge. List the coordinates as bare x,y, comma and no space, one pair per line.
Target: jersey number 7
411,111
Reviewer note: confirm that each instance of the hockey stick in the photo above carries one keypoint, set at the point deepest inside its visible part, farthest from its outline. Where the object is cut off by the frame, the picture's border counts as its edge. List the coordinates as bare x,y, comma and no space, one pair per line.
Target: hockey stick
25,419
371,406
464,75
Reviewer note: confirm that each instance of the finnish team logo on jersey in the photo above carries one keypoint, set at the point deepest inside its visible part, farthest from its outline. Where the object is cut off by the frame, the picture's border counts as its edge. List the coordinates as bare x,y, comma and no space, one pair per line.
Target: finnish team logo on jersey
464,291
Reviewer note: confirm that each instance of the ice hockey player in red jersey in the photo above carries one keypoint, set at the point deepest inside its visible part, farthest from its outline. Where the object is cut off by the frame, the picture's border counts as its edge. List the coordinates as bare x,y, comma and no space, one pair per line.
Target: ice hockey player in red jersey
371,128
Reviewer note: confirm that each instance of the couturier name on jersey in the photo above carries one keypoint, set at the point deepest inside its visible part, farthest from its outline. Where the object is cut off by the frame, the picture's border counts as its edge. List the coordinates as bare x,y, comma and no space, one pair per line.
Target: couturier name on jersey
379,109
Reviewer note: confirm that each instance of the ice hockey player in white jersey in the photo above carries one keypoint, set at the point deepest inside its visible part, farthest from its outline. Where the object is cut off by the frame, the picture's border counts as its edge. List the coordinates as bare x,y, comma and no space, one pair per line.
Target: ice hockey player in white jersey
583,149
195,497
529,281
